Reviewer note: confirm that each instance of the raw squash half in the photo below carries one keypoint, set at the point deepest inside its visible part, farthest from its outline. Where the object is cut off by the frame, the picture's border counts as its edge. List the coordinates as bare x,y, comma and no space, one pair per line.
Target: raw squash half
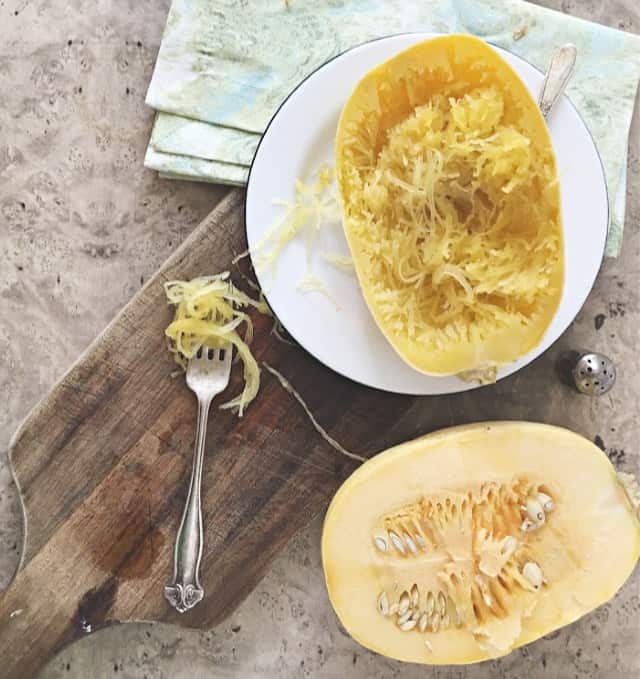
451,206
462,545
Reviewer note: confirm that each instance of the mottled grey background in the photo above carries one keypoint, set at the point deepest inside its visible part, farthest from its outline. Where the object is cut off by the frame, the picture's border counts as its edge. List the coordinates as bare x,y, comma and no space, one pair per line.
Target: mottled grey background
82,225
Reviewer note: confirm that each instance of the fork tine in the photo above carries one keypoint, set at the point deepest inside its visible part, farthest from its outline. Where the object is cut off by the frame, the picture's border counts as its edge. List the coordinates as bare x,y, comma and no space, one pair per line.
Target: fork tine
226,360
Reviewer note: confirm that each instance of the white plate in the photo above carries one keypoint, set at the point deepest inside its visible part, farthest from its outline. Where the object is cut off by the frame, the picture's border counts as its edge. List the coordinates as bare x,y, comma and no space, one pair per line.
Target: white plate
300,138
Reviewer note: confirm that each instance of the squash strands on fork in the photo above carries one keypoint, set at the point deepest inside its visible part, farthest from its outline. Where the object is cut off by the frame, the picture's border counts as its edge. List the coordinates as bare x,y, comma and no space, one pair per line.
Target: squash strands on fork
209,313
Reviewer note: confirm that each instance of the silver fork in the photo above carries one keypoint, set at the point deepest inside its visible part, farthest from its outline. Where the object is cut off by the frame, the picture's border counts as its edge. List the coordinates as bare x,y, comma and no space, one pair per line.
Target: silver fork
207,375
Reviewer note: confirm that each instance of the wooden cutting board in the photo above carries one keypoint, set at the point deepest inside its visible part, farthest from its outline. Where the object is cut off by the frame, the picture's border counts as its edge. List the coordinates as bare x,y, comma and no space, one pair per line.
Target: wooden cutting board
103,463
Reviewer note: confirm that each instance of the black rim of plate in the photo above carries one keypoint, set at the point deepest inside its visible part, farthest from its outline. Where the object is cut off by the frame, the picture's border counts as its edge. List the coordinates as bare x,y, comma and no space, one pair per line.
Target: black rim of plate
465,386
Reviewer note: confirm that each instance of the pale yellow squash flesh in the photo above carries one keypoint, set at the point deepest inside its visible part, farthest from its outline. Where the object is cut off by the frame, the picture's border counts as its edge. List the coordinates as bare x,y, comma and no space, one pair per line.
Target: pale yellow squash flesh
586,548
451,206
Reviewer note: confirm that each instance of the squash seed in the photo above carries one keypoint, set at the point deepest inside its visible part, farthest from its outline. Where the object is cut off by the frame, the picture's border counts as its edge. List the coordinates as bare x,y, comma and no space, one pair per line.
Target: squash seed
421,541
404,603
446,621
404,617
427,643
453,611
397,542
393,609
406,626
415,595
527,526
431,603
532,573
442,604
415,615
435,622
535,511
509,545
383,604
422,624
410,543
381,543
546,502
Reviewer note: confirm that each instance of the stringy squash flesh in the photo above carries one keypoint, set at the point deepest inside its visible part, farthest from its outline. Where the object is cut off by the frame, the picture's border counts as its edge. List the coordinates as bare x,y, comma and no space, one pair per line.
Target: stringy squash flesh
208,314
450,202
467,543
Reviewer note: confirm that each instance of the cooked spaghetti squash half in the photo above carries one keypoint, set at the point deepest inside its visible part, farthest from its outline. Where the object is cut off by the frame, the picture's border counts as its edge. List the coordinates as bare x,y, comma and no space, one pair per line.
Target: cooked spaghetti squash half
451,206
469,542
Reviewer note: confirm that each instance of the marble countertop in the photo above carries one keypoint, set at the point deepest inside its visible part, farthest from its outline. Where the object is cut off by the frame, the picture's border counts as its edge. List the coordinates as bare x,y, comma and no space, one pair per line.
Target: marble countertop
82,225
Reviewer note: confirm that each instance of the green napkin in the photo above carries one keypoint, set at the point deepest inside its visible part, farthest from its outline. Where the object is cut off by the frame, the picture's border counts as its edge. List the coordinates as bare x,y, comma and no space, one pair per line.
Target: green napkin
177,166
224,66
176,134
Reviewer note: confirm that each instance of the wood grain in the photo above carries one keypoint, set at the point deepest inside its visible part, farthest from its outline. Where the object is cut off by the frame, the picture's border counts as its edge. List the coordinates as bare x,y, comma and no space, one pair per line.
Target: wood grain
102,465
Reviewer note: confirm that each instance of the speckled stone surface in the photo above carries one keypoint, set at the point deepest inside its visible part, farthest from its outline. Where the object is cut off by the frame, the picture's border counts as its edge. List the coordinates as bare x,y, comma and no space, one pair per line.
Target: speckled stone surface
82,224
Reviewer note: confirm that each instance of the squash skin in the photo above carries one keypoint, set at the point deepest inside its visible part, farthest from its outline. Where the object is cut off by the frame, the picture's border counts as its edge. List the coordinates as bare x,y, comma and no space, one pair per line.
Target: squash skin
347,564
449,55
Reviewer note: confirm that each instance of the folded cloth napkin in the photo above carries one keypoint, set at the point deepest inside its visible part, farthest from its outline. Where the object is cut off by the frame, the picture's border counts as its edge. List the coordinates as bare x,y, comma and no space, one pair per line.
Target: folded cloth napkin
224,66
176,166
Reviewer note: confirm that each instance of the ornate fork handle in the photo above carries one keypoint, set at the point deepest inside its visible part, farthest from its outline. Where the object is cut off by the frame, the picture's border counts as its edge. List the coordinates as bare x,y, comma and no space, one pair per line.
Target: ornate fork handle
558,75
185,590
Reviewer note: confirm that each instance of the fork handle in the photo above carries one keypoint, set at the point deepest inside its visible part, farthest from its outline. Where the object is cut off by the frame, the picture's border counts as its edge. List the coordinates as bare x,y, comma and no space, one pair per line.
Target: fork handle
558,74
185,591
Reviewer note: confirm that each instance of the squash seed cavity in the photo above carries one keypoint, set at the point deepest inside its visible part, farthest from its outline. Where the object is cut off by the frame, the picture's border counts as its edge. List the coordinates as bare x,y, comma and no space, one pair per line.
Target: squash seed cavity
466,543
